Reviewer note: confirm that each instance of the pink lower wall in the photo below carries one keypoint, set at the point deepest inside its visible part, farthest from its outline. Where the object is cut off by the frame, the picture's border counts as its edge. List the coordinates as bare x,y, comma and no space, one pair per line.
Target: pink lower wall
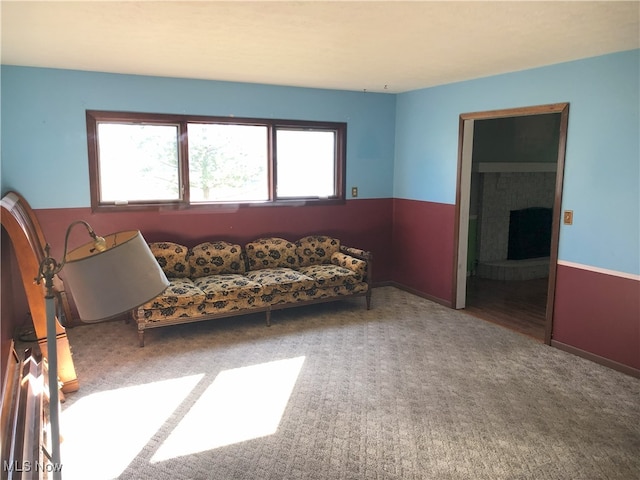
423,245
599,314
595,314
413,246
358,223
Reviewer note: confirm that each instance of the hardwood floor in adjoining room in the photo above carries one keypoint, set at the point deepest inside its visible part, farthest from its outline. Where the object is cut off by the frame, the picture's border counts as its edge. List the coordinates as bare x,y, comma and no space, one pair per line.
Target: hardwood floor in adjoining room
518,305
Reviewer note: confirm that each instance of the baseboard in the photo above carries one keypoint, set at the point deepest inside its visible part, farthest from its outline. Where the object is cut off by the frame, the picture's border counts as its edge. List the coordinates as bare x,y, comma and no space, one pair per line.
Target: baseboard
418,293
634,372
383,284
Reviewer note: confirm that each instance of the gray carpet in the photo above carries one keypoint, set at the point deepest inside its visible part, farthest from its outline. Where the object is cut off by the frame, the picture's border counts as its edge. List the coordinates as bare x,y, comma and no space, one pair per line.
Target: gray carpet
407,390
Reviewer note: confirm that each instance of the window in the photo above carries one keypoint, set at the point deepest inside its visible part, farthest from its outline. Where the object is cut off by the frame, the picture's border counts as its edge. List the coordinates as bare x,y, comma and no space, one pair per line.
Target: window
129,153
150,160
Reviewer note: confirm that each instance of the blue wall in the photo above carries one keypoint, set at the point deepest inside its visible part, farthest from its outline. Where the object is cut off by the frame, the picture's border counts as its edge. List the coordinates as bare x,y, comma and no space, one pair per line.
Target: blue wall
602,169
44,146
44,151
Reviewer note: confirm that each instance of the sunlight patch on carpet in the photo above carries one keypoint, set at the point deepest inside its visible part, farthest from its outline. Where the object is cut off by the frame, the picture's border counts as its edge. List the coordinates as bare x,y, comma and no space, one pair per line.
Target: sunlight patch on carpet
241,404
104,432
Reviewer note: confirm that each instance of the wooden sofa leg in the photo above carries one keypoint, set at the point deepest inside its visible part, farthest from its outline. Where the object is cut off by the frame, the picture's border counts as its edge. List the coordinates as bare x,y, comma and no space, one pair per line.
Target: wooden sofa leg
141,338
268,318
368,297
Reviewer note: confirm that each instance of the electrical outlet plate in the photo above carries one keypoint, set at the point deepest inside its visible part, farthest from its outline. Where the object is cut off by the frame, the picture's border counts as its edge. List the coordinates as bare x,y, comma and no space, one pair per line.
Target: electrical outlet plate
568,217
354,191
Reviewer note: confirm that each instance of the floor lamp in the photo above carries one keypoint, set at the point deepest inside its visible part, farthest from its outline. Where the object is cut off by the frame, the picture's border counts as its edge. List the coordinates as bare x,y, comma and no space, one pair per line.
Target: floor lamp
107,277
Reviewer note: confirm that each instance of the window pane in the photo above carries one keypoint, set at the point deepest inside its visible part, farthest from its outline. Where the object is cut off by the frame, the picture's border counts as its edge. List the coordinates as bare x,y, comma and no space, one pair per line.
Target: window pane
228,162
138,162
305,163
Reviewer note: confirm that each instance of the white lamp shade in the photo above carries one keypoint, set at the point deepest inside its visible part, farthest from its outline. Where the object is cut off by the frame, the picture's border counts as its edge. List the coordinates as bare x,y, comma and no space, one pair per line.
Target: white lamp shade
108,283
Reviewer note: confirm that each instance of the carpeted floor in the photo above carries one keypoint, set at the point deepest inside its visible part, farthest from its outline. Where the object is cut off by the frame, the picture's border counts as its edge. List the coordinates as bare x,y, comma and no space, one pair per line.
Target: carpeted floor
407,390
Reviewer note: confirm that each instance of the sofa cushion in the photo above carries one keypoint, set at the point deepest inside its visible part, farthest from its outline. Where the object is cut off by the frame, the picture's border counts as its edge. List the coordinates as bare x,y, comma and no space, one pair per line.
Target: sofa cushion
354,264
211,258
227,286
316,249
330,275
271,253
275,280
316,293
181,292
173,258
169,315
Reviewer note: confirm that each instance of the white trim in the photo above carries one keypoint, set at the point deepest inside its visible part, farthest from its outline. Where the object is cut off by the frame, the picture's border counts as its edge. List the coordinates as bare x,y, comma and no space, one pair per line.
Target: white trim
605,271
465,203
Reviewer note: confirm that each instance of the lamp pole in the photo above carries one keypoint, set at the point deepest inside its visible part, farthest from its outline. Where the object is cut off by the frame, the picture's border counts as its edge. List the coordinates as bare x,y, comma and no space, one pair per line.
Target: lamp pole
106,285
49,268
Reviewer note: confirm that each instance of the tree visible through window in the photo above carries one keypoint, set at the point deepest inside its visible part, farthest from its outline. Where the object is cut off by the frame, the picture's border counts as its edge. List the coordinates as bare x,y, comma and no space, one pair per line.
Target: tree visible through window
138,160
228,163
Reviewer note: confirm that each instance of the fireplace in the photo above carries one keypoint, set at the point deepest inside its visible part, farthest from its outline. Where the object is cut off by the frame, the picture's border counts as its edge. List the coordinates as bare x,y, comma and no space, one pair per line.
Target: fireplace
529,233
514,225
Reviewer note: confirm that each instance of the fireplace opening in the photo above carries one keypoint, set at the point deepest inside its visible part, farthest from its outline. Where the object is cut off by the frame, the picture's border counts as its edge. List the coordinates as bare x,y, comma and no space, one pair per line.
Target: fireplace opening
529,233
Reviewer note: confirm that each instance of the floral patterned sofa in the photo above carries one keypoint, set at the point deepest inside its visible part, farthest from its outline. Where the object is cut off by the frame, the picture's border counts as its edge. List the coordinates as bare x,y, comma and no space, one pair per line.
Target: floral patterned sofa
221,279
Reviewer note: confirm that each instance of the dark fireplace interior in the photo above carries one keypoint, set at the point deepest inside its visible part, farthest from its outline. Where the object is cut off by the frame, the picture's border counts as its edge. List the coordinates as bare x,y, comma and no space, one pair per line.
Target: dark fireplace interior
529,233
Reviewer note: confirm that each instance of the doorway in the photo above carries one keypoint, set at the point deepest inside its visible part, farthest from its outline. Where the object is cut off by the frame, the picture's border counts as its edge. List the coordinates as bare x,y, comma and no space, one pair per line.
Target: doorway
490,165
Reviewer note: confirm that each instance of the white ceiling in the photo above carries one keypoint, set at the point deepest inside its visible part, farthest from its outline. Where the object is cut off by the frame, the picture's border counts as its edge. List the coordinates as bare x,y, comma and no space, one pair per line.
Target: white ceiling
382,46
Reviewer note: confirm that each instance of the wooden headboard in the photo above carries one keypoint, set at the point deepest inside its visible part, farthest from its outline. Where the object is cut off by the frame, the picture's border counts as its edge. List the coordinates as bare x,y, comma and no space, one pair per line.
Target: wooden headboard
29,244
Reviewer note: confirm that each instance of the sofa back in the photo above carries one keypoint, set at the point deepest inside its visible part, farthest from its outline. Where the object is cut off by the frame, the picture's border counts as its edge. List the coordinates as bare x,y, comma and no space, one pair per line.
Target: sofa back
271,252
173,258
220,257
316,250
214,258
